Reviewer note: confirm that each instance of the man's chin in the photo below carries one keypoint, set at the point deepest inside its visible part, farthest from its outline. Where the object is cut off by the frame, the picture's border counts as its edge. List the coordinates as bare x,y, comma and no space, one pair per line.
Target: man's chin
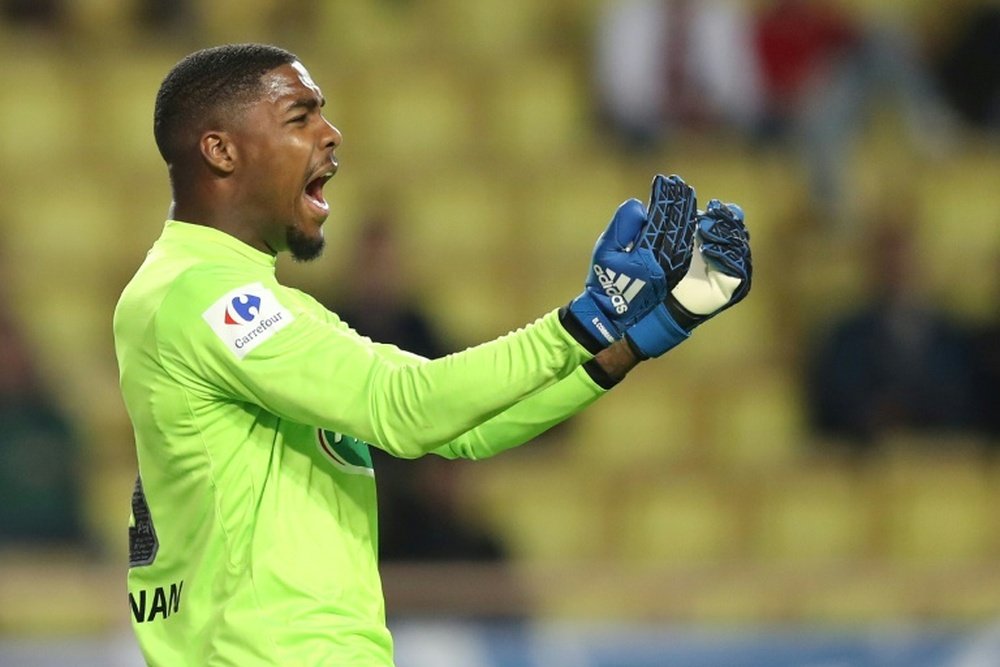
303,247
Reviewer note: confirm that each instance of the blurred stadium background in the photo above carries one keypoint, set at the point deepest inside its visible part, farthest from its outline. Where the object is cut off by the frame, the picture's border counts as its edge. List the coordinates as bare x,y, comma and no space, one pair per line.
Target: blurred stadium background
692,517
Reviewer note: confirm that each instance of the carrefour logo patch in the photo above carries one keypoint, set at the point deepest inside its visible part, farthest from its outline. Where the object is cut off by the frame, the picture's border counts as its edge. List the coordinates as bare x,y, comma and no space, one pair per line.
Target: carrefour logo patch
246,317
243,309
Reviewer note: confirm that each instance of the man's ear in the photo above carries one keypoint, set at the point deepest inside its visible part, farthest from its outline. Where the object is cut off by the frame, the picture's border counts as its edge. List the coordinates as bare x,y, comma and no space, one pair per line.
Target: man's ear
218,150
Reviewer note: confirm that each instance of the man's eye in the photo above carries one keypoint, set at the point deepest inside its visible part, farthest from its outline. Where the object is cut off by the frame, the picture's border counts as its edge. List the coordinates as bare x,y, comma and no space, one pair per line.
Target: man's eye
299,119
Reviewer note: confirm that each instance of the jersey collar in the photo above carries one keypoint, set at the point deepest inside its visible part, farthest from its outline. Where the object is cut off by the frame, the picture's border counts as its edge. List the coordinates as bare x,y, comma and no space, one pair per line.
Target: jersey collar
212,242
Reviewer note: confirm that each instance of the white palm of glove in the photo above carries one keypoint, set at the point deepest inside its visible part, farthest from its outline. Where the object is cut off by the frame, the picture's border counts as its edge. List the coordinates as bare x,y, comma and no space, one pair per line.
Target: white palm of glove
704,289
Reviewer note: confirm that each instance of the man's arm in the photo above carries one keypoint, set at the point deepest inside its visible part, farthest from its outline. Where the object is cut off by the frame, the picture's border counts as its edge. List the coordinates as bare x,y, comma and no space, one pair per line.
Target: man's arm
531,416
312,371
543,410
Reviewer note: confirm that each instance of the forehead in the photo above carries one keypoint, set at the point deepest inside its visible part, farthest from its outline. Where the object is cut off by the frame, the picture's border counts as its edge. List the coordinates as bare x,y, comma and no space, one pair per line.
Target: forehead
290,81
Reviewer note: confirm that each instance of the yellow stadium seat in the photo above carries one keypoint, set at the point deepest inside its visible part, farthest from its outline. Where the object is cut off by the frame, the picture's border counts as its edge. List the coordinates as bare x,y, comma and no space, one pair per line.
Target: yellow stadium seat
41,117
939,507
498,33
676,519
413,117
956,231
119,128
854,594
759,424
459,233
543,512
537,112
812,513
107,21
564,208
374,34
237,20
665,427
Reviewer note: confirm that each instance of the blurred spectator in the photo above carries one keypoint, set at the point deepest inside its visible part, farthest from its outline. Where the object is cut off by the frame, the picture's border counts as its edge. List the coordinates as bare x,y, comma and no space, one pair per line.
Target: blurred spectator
40,500
968,67
47,14
419,510
822,73
798,45
665,64
986,371
896,363
173,18
381,305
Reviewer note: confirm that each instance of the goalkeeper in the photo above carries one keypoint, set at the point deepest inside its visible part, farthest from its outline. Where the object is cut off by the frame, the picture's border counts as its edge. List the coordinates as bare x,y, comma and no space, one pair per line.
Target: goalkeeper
252,538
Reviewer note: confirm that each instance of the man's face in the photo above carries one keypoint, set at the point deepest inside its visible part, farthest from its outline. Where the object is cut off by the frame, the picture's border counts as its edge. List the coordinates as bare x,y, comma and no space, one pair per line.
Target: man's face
287,155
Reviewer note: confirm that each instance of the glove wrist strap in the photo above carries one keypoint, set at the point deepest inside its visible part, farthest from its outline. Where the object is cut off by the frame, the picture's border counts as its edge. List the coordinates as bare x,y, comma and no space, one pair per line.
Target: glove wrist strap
579,332
655,334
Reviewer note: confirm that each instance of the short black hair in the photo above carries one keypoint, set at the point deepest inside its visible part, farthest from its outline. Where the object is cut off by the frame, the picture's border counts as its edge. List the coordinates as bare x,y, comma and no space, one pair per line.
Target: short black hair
204,82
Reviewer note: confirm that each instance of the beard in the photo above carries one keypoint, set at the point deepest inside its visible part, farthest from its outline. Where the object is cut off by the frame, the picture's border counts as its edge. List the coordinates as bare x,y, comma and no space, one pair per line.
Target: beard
303,248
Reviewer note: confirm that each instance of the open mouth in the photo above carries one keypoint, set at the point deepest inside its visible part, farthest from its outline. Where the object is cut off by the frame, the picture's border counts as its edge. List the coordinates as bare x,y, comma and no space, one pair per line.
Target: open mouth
314,191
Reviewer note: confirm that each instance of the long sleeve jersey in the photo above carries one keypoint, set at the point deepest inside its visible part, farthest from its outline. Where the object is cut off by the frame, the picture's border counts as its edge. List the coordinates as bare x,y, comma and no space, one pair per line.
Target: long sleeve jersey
253,534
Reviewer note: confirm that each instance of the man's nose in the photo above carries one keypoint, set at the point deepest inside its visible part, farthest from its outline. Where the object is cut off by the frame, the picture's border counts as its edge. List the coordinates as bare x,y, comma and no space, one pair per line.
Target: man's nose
331,135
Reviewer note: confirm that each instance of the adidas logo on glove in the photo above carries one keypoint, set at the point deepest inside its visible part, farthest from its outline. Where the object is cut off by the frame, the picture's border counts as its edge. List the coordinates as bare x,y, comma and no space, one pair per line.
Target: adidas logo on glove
614,284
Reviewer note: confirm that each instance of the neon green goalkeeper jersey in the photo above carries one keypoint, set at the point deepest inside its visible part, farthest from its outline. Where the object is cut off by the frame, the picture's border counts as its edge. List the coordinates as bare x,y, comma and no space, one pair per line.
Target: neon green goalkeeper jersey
253,528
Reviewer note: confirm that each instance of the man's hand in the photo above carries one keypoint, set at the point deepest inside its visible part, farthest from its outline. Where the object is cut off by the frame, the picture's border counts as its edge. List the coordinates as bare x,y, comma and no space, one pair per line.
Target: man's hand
709,269
627,278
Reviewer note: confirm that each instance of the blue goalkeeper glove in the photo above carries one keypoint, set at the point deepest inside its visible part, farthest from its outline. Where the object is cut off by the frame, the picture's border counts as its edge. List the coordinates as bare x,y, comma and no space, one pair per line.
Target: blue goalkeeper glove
624,283
709,268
